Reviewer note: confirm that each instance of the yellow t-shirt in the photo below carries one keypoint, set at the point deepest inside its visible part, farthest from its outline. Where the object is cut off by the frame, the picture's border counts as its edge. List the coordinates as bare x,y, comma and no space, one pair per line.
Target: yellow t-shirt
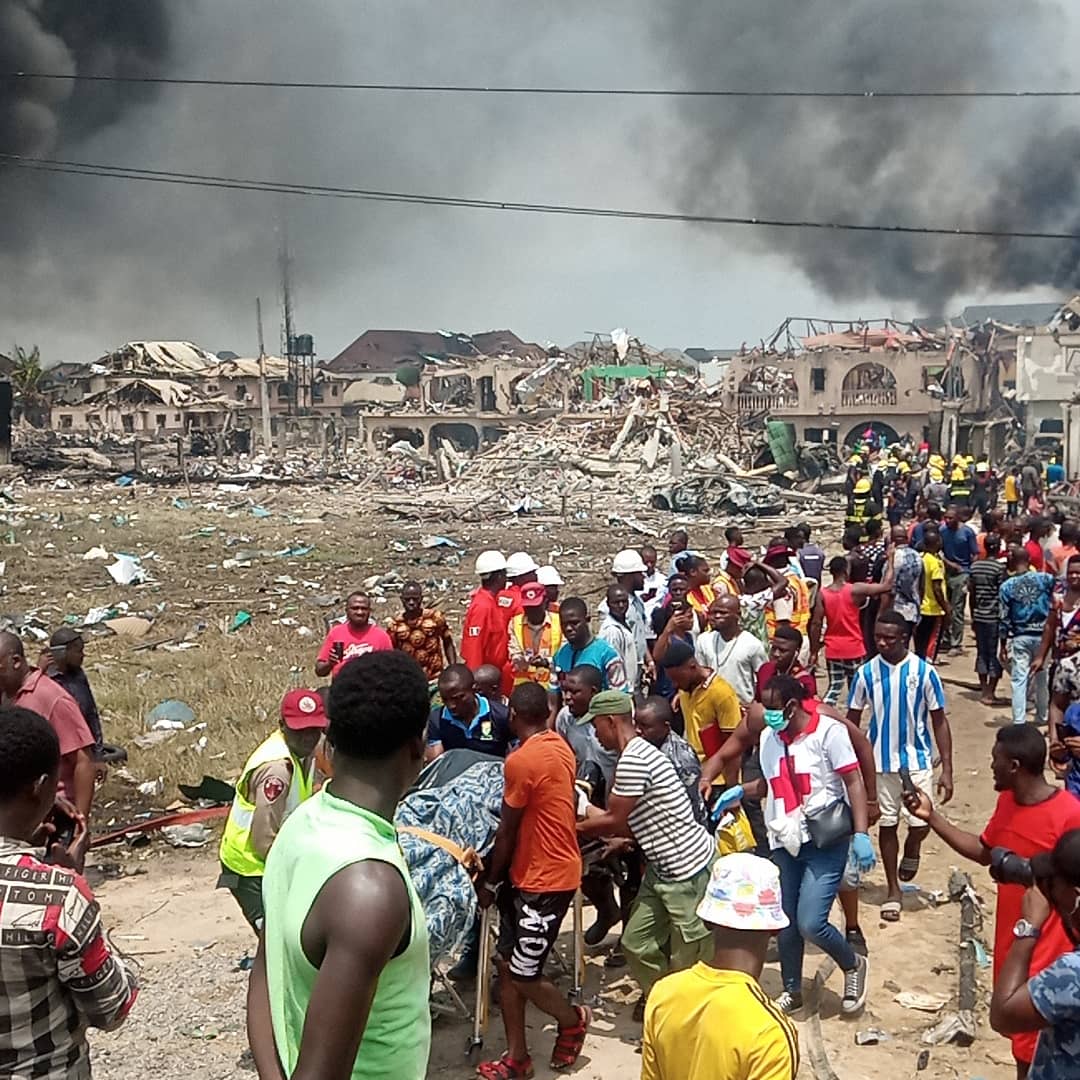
714,702
704,1024
1011,494
933,570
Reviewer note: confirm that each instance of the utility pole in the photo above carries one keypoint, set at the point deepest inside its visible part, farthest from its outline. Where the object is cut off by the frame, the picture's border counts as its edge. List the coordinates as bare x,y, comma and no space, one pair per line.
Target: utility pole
264,400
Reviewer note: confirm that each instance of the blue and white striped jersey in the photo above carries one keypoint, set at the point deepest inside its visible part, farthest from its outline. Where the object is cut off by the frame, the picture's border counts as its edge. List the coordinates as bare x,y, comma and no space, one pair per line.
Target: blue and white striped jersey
901,698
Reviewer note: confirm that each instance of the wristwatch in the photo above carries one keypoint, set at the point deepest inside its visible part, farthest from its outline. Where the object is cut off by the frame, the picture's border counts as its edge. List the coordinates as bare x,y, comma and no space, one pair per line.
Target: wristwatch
1024,929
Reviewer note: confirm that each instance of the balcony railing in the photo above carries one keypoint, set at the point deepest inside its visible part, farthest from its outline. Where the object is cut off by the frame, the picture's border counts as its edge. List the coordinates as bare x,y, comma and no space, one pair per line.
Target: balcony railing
770,403
862,398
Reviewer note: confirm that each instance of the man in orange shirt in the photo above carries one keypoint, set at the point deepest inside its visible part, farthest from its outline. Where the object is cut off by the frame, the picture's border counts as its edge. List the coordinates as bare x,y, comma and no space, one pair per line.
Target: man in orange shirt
536,848
485,635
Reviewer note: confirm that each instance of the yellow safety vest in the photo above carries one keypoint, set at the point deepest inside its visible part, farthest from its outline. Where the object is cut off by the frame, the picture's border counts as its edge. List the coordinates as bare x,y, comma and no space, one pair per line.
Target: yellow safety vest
551,640
236,850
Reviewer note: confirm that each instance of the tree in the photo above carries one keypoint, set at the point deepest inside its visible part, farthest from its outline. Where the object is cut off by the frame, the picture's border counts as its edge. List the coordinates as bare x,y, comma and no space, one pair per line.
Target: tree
26,373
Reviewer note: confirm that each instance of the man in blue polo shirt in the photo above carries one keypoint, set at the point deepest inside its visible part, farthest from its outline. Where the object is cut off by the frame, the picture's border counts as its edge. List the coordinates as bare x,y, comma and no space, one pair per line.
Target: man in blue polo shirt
580,647
466,720
959,550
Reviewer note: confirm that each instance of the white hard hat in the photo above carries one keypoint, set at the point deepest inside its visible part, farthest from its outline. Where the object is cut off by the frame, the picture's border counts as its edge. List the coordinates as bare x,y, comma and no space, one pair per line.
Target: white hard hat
548,575
490,562
628,562
520,563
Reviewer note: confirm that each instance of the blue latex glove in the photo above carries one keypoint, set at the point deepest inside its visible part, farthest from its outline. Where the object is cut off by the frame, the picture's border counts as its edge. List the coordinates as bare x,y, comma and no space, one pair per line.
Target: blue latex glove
724,800
863,851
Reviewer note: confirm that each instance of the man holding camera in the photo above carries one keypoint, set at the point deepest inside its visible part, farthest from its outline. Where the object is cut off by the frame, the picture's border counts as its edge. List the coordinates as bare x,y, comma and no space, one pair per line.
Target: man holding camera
1046,1004
1030,817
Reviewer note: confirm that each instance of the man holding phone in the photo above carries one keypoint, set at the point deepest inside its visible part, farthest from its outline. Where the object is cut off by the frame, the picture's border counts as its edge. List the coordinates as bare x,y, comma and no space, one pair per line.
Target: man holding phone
59,974
355,636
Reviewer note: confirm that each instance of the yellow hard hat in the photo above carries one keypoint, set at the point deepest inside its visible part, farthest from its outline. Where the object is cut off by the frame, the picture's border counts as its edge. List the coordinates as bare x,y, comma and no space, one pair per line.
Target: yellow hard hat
862,486
903,467
937,475
937,461
958,459
854,460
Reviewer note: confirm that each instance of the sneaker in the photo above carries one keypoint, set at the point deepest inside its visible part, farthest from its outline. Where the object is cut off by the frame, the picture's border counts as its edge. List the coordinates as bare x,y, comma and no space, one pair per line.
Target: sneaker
855,987
789,1003
856,940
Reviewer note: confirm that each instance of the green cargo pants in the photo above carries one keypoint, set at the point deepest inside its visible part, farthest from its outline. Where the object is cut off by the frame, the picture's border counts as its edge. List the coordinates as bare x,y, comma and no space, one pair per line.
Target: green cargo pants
664,933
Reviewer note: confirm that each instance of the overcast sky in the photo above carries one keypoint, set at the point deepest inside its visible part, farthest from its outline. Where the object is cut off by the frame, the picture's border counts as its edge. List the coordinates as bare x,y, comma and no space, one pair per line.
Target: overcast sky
100,262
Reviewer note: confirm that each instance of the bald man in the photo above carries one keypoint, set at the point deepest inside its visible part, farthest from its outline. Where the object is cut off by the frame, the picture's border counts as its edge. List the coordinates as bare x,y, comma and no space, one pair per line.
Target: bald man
30,688
734,654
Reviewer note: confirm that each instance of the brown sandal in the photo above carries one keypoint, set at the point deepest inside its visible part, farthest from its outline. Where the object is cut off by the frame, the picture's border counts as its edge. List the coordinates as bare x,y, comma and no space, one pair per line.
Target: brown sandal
570,1040
506,1068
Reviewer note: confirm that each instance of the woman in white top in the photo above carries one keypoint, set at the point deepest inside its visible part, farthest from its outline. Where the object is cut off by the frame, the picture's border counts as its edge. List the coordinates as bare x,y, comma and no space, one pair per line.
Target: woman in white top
815,811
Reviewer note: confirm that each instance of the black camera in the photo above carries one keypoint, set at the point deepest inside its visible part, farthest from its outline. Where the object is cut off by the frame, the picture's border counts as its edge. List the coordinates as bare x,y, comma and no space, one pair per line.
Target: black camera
1008,868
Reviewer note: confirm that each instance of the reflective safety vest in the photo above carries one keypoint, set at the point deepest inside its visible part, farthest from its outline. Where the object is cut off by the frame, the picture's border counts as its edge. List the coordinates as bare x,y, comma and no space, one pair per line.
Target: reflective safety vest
236,850
959,484
551,639
800,614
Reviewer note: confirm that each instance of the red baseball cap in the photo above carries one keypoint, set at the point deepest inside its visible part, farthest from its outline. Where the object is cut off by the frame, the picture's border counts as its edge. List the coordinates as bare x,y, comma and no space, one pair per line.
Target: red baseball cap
737,556
302,710
533,594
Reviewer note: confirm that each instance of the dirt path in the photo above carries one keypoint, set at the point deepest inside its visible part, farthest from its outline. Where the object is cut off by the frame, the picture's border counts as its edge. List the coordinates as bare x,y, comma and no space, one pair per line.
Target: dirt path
189,1020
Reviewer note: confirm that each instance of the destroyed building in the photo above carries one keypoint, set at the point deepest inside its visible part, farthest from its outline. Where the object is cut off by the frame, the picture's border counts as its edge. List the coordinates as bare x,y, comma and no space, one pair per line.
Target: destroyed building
830,382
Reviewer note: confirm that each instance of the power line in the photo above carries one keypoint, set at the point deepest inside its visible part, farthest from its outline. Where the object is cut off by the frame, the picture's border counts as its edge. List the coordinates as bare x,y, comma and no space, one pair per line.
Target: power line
230,183
564,91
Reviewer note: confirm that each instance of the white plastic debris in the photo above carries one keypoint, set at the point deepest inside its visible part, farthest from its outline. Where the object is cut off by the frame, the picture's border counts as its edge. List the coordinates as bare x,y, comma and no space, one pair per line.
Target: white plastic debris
126,570
95,553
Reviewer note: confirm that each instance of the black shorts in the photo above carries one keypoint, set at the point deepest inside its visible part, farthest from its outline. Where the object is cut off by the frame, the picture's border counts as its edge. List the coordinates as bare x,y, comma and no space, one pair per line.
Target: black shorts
529,925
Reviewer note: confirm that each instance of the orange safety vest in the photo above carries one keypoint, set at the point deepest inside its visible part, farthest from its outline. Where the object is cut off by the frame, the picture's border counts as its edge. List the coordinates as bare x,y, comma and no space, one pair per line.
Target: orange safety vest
551,639
800,615
700,599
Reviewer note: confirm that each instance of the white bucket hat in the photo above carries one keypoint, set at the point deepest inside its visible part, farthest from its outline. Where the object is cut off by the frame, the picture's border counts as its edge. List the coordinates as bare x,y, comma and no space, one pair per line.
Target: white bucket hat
743,894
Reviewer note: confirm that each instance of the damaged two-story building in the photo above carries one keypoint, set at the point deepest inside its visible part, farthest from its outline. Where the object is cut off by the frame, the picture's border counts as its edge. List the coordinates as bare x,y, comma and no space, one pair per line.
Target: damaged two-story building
830,382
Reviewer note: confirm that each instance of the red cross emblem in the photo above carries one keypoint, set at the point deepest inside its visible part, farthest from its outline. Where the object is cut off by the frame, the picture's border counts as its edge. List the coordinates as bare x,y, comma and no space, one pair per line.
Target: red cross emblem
789,787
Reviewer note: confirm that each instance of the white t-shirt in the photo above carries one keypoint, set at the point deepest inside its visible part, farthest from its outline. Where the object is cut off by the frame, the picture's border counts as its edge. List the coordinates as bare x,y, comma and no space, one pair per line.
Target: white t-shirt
621,639
736,661
810,775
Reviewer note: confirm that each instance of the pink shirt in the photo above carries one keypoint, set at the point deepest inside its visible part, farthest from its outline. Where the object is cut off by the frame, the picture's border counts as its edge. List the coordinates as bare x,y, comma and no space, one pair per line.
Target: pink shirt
48,699
354,642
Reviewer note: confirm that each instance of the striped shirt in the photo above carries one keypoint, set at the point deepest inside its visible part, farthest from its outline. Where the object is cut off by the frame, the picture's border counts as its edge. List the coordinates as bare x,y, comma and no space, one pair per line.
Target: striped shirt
901,698
675,844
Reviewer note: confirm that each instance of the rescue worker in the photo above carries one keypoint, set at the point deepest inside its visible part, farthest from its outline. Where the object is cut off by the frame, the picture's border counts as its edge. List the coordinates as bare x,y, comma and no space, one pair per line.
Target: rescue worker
276,779
861,507
549,577
959,483
485,633
983,489
535,638
521,569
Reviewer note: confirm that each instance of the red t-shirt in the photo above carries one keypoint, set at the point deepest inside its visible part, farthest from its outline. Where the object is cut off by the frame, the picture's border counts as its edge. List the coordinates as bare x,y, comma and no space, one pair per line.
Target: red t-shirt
539,779
371,638
1035,552
843,628
48,699
1028,830
768,670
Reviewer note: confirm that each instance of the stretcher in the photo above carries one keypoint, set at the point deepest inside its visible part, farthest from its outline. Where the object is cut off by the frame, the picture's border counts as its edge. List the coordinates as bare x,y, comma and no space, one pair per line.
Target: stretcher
452,832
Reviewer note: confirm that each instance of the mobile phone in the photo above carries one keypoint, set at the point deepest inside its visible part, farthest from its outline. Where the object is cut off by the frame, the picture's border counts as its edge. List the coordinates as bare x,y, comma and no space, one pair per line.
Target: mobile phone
64,825
907,785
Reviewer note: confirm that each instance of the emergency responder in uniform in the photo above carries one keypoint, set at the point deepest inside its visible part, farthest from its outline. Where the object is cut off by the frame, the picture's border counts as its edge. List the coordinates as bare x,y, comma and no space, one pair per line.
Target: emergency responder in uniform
983,489
959,482
861,508
535,638
485,634
276,779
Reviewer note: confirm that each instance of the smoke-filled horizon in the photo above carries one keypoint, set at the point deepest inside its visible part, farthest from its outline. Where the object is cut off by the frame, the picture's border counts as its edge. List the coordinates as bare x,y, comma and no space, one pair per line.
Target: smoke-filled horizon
985,164
86,264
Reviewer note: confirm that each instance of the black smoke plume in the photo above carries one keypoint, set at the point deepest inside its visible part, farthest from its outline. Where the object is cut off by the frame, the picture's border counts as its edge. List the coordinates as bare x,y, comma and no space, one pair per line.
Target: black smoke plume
986,164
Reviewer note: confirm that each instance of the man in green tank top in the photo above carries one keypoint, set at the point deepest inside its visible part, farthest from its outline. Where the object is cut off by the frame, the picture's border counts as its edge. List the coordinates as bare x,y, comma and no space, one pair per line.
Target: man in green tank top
344,939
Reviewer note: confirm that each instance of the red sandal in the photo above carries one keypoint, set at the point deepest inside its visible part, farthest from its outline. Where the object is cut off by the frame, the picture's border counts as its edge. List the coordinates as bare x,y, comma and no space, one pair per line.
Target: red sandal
506,1068
570,1040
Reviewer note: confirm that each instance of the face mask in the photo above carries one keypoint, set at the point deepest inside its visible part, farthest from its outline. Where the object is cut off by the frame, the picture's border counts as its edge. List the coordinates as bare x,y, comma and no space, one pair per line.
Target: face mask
776,719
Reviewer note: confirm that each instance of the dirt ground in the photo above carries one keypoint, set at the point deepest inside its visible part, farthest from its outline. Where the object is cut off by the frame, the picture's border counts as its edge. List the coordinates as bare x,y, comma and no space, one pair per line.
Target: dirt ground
214,555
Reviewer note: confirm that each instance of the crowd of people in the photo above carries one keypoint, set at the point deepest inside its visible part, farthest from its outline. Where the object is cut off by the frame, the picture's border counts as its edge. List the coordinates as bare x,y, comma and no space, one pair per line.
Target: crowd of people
675,752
